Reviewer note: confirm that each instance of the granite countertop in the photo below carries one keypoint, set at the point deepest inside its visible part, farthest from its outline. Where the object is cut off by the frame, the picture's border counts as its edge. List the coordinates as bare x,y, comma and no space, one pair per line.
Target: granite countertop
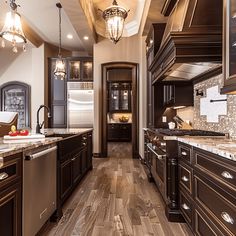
7,149
218,145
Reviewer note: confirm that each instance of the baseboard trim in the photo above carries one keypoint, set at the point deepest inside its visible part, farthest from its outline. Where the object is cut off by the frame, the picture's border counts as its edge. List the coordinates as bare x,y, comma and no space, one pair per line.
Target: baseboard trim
97,155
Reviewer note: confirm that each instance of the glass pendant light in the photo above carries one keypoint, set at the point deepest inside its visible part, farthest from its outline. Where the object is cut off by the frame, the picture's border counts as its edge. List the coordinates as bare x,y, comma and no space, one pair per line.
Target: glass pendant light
12,30
60,69
114,17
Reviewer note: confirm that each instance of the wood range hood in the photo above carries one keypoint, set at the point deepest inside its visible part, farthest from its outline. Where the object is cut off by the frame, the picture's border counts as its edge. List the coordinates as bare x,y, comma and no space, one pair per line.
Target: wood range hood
191,44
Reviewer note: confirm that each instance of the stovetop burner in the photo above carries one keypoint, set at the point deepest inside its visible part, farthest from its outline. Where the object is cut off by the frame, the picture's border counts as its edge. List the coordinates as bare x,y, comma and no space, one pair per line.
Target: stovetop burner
190,132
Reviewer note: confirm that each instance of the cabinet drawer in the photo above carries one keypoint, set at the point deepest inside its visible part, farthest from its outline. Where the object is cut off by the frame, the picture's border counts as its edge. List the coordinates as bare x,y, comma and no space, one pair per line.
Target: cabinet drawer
220,171
204,227
11,170
186,207
220,207
185,177
184,153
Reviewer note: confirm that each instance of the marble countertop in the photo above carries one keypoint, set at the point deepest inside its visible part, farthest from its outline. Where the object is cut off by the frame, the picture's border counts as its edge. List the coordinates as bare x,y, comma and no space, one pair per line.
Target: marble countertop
7,149
218,145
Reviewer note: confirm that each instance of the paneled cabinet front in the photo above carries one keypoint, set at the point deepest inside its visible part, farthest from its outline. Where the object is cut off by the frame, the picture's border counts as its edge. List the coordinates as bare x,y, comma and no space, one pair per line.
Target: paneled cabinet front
11,196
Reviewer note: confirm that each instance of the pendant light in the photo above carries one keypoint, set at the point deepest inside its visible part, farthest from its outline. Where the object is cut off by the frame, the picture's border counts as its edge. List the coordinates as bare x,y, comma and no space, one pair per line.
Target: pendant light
60,69
12,30
114,17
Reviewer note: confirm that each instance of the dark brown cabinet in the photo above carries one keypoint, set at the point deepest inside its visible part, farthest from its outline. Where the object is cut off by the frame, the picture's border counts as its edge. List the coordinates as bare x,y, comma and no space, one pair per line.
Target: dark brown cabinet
80,69
119,132
207,191
119,97
229,64
176,95
74,161
11,196
57,99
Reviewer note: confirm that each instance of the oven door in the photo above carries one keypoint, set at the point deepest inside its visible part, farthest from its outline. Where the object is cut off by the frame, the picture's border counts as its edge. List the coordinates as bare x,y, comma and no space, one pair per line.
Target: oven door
158,168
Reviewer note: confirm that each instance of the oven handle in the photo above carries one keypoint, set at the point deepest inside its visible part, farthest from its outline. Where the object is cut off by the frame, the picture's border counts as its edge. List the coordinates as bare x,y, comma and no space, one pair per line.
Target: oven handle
160,157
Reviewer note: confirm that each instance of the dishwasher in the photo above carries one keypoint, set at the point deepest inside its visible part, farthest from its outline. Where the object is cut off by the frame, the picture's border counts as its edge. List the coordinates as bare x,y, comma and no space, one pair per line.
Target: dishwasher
39,187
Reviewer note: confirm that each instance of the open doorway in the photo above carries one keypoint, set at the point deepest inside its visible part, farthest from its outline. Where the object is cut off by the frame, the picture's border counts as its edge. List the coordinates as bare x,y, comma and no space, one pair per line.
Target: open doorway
119,107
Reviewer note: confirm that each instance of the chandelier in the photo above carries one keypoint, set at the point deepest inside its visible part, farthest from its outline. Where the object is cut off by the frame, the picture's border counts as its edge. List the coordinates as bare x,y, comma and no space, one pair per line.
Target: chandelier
60,69
114,17
12,29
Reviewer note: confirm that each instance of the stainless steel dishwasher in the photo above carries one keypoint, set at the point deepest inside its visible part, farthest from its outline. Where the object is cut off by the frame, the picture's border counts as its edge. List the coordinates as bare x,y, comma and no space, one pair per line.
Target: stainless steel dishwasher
39,187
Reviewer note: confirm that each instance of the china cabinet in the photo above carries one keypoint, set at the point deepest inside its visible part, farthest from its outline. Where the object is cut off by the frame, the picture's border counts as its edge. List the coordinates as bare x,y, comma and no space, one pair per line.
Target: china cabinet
119,97
229,47
15,97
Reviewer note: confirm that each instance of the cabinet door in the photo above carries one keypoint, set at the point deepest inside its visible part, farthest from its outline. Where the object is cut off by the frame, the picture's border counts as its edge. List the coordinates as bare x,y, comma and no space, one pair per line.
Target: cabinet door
66,179
114,98
77,168
58,100
87,70
74,70
84,157
90,151
10,211
125,96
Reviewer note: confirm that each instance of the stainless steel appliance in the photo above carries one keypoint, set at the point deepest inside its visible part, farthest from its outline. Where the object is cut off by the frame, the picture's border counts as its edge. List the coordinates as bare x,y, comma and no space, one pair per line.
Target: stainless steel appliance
39,187
162,163
80,104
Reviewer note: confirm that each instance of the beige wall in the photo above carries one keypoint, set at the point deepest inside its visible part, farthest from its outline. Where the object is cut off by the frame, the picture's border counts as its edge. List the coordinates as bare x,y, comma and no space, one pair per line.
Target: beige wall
28,67
129,50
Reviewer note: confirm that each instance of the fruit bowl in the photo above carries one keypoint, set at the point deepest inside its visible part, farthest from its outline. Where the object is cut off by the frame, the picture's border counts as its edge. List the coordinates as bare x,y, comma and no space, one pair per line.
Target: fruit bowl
124,119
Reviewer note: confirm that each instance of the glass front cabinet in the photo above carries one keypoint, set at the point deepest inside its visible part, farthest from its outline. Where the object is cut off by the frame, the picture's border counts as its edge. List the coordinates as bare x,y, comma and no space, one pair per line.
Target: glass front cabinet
119,97
229,59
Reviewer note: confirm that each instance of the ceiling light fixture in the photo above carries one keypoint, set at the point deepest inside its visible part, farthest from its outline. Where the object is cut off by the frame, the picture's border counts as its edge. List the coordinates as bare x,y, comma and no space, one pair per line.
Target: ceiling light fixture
12,29
114,17
86,38
60,70
69,36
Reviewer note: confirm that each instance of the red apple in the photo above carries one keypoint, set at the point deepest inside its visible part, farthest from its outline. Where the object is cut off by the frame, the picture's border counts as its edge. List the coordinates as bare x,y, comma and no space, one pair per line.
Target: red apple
14,133
24,132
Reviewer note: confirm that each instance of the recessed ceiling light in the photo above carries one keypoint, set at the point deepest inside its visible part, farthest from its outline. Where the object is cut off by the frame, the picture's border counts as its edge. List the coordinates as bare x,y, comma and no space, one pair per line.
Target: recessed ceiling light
69,36
86,38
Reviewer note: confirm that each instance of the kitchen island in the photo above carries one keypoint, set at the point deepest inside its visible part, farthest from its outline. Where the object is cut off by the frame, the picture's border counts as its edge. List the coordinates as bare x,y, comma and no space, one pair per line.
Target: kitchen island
73,159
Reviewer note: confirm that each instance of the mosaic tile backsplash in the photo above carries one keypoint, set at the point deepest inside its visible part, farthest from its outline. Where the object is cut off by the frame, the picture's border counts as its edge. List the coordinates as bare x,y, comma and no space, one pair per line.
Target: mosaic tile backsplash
226,123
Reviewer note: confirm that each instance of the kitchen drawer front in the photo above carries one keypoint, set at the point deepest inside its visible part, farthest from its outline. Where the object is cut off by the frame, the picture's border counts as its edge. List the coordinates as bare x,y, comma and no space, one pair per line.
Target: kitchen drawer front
186,207
204,226
218,206
11,170
222,172
184,153
185,177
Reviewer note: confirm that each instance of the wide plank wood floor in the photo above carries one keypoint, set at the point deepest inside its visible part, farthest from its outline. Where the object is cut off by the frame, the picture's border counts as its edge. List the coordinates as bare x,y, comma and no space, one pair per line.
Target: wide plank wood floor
115,199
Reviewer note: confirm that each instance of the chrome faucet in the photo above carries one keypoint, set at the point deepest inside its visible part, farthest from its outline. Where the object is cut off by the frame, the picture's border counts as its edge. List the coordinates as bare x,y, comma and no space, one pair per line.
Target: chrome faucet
39,126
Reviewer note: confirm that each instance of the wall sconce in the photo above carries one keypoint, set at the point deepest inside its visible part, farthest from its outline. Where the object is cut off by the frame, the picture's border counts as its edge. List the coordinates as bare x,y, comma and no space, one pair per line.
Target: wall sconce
199,92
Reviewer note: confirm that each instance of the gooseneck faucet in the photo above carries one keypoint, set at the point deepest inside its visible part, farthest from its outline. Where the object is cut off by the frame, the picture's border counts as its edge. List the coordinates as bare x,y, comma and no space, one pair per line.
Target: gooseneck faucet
39,126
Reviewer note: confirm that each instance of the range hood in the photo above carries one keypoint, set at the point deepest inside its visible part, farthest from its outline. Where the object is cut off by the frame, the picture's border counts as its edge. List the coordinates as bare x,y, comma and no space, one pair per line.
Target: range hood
192,41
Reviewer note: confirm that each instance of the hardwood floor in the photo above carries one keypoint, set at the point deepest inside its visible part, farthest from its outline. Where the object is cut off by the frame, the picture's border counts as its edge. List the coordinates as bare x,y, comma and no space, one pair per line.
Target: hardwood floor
115,199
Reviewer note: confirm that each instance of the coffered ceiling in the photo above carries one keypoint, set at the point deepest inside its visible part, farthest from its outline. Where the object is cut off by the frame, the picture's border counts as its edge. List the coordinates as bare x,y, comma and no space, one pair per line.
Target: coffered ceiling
81,18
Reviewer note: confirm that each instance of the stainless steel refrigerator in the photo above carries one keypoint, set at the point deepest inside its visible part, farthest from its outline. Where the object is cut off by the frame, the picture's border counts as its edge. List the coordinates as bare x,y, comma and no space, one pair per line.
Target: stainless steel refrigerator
80,104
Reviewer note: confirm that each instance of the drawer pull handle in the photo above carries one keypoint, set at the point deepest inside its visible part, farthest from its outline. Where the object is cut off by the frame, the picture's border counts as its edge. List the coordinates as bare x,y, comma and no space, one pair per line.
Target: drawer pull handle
227,218
185,179
185,206
184,153
227,175
3,176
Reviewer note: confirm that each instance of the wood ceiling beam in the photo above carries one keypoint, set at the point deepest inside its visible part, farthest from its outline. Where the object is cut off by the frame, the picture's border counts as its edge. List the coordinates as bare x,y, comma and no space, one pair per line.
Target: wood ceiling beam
31,34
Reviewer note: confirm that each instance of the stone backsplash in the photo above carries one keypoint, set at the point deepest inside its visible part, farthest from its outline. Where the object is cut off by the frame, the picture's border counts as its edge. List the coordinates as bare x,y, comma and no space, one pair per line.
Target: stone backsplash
227,123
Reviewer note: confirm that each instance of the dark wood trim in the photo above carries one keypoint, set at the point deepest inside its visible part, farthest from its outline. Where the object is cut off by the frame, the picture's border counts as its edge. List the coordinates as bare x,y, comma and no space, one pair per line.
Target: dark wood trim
97,155
207,75
134,105
168,7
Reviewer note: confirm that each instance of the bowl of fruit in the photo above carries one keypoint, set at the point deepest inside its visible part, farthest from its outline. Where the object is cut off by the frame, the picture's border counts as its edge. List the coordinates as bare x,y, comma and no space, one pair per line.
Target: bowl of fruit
14,132
124,119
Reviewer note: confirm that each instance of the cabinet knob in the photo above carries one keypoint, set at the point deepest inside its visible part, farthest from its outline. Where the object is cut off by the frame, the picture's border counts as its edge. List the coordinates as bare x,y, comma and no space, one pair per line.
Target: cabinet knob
185,179
185,206
184,153
227,175
3,176
227,218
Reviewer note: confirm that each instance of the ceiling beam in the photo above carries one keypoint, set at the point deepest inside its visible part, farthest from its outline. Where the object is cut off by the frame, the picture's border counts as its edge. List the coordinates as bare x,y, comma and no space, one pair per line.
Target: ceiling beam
31,34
